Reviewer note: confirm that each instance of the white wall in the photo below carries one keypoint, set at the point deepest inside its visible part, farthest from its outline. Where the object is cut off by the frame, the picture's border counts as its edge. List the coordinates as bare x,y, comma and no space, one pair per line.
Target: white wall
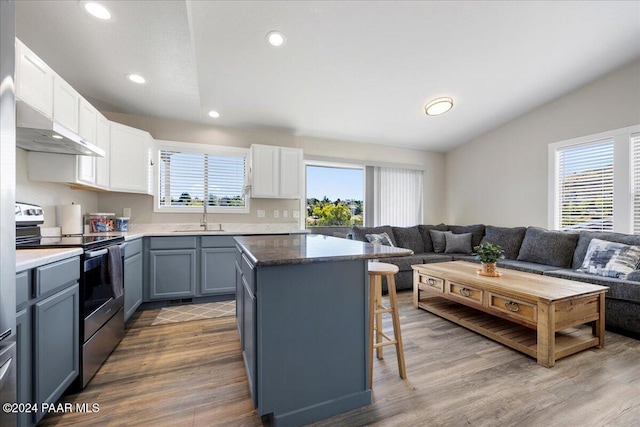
47,194
207,134
500,178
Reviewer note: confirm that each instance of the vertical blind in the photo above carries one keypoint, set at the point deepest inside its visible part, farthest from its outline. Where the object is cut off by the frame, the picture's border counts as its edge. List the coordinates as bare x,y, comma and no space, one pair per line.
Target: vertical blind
585,186
397,196
186,179
635,181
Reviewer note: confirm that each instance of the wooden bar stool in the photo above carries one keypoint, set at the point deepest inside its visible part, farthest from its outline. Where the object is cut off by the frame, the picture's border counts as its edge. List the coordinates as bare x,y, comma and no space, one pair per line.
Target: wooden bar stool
376,271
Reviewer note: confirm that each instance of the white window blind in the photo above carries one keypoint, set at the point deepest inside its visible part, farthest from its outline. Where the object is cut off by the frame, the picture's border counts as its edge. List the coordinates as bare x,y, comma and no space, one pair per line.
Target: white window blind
397,197
635,181
585,186
186,179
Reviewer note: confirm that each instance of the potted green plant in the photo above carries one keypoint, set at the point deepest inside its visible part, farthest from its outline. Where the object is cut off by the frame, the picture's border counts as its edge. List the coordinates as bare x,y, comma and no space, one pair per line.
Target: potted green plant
488,254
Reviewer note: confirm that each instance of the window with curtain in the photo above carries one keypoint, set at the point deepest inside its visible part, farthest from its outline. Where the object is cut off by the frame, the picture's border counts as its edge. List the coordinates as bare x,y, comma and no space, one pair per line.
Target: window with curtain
186,180
635,181
584,186
397,196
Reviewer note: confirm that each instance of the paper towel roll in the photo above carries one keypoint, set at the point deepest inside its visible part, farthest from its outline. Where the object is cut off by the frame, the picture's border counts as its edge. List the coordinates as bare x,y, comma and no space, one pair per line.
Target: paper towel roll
70,219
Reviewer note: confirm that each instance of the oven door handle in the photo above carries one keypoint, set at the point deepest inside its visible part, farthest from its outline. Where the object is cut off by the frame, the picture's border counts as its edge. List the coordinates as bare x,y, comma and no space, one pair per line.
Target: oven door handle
93,254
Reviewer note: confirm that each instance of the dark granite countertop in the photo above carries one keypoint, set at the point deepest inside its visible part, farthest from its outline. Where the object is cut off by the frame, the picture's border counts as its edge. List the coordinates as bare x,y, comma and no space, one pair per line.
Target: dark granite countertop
307,248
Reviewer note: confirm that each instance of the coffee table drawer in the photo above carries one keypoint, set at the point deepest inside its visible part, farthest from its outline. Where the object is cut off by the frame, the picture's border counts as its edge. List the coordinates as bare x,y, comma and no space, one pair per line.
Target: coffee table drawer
514,308
465,292
430,282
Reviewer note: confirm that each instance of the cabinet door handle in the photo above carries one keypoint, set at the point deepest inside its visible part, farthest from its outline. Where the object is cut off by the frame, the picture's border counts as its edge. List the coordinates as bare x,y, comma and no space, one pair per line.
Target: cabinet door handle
512,306
432,282
465,292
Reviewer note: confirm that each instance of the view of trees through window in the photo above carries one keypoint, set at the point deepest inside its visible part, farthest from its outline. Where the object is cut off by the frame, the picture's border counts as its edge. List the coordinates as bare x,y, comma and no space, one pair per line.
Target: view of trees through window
334,196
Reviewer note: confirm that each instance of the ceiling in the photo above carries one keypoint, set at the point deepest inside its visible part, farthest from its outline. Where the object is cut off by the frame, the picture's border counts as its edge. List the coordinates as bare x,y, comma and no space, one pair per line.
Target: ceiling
351,70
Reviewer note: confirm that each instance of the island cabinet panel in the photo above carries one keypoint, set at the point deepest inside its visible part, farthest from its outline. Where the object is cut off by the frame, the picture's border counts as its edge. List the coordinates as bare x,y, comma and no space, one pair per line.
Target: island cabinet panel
172,274
239,302
249,326
24,352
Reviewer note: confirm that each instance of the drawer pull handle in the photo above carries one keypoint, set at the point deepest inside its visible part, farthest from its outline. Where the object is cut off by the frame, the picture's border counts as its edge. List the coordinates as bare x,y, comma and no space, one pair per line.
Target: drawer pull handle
512,306
432,282
465,292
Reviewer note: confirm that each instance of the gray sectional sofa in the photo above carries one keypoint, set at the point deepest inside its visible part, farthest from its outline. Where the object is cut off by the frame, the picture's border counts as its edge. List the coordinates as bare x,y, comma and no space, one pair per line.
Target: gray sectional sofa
529,249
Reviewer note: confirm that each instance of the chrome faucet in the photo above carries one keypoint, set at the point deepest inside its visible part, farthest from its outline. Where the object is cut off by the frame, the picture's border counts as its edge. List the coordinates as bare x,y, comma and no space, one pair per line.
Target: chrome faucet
203,222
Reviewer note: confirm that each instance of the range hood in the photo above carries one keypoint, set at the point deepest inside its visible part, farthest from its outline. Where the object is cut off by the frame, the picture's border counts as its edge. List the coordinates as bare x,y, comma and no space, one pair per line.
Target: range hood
36,132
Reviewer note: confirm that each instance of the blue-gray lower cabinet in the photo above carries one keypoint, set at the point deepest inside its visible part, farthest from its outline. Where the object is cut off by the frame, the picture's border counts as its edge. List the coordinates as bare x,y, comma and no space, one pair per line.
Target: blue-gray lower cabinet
24,352
217,271
305,338
56,344
132,284
172,273
239,302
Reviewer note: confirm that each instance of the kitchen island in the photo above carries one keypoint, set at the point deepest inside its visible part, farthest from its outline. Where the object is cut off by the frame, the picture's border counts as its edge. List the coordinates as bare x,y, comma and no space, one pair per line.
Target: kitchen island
302,315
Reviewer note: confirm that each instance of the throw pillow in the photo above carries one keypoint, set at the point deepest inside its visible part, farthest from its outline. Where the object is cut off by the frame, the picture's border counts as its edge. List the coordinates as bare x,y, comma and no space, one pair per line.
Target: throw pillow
509,239
379,239
634,276
360,233
458,243
426,237
409,238
610,259
548,247
438,239
477,231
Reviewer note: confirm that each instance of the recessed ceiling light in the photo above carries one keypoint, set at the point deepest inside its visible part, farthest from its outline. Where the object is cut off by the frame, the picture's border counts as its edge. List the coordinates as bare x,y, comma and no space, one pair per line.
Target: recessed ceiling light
438,106
136,78
56,136
96,9
276,38
214,114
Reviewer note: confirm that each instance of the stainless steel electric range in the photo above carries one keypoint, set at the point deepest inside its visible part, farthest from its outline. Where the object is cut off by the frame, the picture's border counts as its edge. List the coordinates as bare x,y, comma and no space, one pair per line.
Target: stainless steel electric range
101,300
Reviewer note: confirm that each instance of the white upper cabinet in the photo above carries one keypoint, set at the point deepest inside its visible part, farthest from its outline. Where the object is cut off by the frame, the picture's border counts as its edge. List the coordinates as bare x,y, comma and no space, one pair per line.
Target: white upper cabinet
34,80
291,178
88,118
66,104
130,160
276,172
103,137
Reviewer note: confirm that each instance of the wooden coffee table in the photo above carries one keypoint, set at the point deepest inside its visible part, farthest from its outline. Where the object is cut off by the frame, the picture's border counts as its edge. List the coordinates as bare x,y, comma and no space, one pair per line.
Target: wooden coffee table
540,316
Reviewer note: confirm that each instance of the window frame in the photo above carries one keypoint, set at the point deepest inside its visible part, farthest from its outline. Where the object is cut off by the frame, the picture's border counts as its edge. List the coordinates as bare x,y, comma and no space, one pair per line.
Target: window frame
622,176
189,147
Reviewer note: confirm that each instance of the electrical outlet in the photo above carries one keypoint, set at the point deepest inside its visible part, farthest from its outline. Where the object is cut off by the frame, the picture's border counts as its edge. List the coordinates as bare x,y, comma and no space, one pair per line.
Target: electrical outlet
285,213
276,213
126,212
261,213
296,214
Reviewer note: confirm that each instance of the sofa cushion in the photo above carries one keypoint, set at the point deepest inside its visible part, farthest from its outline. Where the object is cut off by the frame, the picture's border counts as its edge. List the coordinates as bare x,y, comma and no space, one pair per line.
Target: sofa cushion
610,259
439,241
463,257
477,231
585,239
618,288
404,263
432,257
509,239
426,237
548,247
527,267
360,233
409,238
379,239
457,243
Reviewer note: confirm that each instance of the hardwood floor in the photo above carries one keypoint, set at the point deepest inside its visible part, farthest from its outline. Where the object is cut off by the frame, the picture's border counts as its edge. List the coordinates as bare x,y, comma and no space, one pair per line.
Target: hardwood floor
192,374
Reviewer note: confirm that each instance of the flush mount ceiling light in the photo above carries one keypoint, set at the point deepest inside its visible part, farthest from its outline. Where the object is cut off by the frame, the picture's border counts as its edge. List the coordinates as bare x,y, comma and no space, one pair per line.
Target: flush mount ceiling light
214,114
56,136
438,106
276,38
96,9
136,78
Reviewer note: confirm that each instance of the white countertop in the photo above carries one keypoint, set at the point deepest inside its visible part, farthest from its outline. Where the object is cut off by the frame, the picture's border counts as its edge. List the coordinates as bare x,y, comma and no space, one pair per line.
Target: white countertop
27,259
